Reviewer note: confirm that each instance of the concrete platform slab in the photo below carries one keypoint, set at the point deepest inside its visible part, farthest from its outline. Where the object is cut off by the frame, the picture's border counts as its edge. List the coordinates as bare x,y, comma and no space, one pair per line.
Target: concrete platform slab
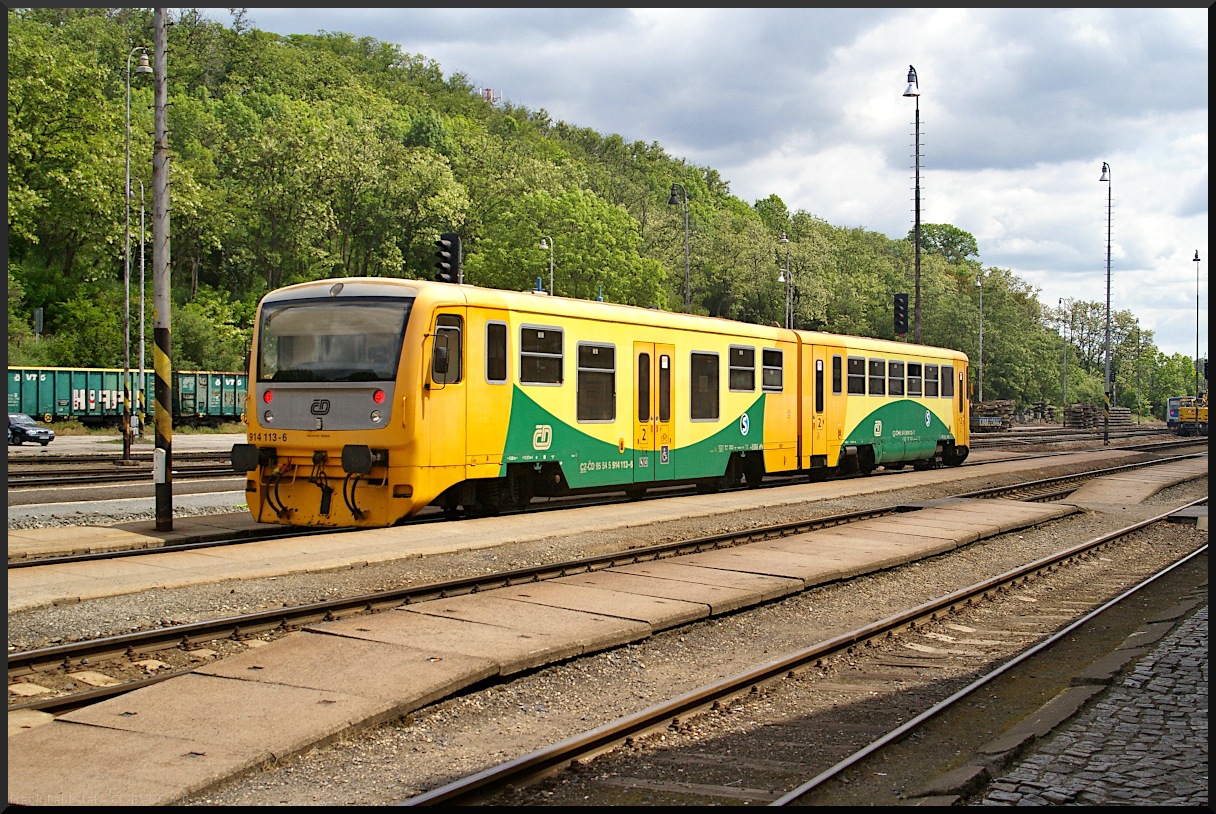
716,598
654,611
1136,486
763,586
403,678
580,631
511,650
100,766
806,568
271,720
20,720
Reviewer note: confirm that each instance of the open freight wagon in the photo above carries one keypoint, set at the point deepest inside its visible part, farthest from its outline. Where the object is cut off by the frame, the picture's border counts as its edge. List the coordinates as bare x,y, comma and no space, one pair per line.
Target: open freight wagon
93,396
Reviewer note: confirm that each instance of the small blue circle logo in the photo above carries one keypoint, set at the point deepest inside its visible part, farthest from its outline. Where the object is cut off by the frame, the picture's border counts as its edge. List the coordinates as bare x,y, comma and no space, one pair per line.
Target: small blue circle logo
744,424
928,417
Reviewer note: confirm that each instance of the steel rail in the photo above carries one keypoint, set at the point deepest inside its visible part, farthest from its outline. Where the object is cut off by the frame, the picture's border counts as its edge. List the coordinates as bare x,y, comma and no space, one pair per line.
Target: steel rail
656,716
102,477
50,458
296,616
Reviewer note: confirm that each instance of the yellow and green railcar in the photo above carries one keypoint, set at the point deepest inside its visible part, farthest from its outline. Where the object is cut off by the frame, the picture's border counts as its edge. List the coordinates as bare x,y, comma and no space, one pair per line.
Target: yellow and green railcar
399,394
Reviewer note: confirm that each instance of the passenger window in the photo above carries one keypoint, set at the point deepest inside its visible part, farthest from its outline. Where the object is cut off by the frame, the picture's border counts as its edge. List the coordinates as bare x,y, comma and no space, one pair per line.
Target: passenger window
878,377
742,369
895,378
540,355
930,381
947,381
857,376
446,354
837,376
773,375
914,380
704,387
665,387
819,385
643,387
596,383
496,352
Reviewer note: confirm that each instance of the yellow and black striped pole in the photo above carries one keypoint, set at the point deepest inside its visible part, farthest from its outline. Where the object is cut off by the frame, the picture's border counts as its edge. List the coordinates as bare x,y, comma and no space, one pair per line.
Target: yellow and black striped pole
162,460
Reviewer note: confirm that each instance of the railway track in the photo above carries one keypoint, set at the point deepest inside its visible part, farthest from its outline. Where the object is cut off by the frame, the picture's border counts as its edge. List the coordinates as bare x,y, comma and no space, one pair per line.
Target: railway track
191,636
1020,438
1063,485
106,476
887,654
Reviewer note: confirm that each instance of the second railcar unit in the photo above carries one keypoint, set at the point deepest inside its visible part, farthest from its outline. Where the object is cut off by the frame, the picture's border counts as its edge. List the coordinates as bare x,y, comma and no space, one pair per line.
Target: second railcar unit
373,398
94,395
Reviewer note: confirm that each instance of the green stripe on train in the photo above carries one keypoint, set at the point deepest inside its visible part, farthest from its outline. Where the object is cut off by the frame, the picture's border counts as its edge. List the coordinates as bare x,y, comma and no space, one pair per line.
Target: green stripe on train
536,435
900,431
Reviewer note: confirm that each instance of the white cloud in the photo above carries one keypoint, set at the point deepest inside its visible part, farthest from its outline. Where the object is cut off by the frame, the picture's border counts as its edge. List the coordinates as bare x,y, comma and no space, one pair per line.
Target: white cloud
1019,110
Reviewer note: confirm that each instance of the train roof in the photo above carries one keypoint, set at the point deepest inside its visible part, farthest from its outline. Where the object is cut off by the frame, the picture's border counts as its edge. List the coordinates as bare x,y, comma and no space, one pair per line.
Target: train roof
542,304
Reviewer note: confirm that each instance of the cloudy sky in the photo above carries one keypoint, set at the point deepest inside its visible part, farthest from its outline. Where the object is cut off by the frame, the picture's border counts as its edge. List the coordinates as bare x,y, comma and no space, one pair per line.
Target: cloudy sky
1018,111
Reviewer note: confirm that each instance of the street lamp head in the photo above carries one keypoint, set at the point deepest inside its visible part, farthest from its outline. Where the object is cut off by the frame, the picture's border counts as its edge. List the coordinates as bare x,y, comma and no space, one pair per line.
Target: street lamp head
913,85
783,239
781,276
544,244
1105,172
673,200
143,66
1196,260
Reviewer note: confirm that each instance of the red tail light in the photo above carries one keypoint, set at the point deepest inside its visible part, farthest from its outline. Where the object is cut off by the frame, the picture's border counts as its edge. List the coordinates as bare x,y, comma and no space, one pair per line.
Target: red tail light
378,397
268,397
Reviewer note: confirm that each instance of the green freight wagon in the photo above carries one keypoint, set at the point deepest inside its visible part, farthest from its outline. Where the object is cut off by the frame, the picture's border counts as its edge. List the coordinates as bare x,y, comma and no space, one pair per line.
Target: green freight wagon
94,396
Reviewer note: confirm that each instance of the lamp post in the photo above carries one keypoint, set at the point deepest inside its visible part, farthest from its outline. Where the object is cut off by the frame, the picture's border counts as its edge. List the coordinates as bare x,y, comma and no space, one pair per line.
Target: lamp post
143,380
1065,332
787,277
142,67
913,90
547,243
672,201
1106,392
979,283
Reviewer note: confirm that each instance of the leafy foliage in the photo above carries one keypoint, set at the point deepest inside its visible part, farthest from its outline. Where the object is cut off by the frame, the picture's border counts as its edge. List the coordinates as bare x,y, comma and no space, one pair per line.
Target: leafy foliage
312,156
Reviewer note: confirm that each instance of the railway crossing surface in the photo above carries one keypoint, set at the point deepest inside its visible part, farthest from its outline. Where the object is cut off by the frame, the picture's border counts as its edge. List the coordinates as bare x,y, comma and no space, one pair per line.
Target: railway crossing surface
187,733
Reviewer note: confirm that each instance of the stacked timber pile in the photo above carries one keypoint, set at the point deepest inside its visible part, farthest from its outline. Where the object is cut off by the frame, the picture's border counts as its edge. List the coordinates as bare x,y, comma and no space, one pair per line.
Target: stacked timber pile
1120,417
1083,416
991,416
1043,412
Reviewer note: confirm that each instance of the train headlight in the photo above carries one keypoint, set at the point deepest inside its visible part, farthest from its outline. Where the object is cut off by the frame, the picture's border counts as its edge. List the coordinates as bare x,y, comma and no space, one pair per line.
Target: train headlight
268,417
378,397
268,397
376,416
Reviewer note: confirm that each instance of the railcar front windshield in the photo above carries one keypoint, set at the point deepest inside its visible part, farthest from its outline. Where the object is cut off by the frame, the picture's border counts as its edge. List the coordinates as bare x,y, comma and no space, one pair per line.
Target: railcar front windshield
351,340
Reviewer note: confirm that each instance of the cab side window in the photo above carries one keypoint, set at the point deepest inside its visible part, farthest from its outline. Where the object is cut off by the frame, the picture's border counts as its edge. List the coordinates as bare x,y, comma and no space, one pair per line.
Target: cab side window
447,353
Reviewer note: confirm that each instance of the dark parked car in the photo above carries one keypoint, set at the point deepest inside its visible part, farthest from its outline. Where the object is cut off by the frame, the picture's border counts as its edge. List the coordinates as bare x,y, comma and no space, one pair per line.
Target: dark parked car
23,428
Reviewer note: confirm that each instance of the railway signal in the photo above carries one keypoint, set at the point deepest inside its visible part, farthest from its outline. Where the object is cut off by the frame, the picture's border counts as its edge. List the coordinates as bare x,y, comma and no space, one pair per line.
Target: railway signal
449,259
901,314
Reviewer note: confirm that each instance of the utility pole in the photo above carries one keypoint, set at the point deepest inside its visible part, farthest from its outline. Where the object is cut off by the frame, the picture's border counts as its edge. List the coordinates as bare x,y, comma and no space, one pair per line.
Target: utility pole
162,461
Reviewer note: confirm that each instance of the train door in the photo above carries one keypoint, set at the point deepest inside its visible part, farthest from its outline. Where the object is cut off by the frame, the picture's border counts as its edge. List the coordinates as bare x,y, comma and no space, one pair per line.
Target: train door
828,406
653,420
443,402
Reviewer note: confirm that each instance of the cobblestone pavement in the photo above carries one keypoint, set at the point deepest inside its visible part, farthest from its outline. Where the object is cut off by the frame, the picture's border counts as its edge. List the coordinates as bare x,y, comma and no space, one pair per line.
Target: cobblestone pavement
1144,743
